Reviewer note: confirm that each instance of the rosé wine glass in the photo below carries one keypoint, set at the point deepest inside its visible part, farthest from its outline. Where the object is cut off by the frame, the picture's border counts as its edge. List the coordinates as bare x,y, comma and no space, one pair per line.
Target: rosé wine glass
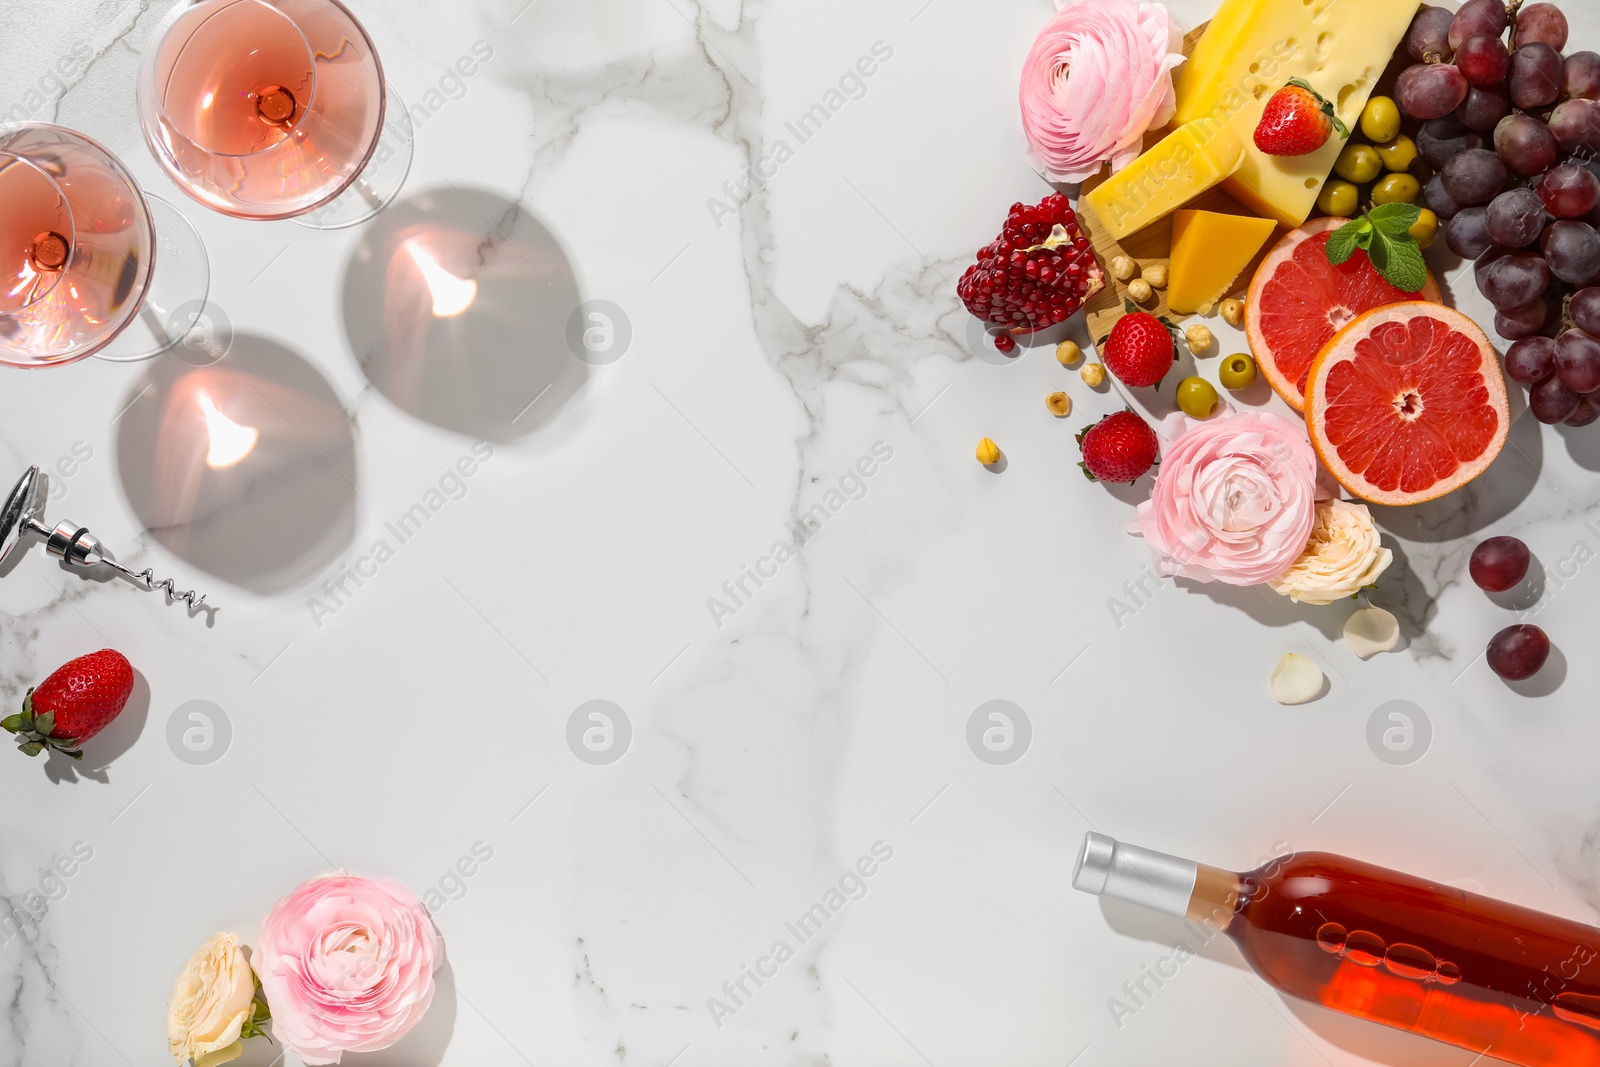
275,109
89,265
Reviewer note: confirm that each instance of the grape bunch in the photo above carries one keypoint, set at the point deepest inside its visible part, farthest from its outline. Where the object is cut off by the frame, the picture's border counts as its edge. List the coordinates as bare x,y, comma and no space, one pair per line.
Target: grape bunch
1510,128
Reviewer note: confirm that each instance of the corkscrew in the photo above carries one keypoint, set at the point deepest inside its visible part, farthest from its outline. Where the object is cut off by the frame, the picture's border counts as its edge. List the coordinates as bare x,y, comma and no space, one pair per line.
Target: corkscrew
23,515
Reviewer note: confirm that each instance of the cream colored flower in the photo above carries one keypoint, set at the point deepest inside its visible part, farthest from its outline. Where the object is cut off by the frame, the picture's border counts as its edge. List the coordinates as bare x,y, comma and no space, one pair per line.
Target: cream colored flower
1343,556
211,1003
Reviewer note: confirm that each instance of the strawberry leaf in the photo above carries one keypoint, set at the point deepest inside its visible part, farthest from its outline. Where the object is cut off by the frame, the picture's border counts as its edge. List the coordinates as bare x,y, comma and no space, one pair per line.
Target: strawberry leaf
44,724
1086,472
31,748
11,723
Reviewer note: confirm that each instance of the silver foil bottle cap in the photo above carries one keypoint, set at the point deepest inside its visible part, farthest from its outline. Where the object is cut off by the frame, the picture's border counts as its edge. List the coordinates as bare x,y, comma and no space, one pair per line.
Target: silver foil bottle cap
1153,880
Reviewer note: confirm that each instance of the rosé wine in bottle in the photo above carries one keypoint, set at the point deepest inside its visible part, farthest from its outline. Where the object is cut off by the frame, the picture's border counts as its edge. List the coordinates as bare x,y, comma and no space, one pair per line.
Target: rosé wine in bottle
1503,981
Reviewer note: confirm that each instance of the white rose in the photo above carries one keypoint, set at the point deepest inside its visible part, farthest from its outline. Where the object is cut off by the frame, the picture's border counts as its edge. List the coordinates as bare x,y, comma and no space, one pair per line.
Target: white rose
1343,556
211,1003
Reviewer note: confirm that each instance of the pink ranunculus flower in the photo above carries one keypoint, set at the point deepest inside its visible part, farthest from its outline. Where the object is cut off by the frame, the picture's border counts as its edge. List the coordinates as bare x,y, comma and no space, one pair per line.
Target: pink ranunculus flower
1098,77
346,965
1234,500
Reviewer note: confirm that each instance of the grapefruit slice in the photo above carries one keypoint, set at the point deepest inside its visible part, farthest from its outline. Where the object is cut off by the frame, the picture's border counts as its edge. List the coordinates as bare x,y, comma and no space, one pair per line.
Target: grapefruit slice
1298,301
1407,403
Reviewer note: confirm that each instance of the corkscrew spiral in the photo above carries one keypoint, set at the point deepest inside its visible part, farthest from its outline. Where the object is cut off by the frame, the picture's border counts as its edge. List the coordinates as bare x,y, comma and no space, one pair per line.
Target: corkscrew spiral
147,578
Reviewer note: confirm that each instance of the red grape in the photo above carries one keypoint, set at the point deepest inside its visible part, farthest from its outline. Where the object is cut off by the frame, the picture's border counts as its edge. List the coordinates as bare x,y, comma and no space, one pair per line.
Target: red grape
1583,76
1573,251
1475,17
1585,414
1518,652
1429,36
1483,60
1483,108
1430,90
1518,323
1443,139
1474,177
1575,125
1439,202
1544,23
1585,310
1526,145
1551,401
1468,233
1578,361
1538,76
1516,217
1499,563
1515,281
1531,361
1568,191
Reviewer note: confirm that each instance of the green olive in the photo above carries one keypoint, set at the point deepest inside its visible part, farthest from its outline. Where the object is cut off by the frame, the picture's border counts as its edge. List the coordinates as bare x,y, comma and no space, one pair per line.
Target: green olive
1380,120
1398,154
1397,189
1238,371
1359,163
1340,198
1197,398
1425,229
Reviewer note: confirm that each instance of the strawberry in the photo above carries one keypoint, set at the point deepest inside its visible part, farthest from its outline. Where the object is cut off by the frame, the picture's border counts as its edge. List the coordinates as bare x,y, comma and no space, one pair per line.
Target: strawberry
1297,121
73,704
1140,350
1118,448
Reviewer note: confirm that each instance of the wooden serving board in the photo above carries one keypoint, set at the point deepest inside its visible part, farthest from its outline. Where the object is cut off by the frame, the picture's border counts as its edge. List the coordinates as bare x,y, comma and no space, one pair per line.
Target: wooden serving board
1153,244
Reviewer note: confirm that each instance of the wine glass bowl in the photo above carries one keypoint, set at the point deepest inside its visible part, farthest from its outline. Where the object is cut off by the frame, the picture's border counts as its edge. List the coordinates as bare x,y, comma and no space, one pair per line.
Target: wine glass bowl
77,246
265,109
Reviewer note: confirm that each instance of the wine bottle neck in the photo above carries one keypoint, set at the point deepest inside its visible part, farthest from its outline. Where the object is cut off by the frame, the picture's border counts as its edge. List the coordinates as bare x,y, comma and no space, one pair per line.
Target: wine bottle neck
1157,881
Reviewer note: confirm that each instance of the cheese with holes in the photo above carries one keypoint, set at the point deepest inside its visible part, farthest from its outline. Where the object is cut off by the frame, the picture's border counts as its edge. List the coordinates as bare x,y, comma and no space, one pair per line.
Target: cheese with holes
1252,48
1178,168
1209,251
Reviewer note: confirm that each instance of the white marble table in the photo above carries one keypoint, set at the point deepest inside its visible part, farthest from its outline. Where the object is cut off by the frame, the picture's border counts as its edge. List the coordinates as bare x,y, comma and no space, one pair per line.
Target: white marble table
413,719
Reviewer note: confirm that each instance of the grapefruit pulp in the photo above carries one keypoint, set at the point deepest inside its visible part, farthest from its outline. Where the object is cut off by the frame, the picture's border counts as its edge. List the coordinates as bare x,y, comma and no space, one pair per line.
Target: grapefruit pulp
1298,301
1407,403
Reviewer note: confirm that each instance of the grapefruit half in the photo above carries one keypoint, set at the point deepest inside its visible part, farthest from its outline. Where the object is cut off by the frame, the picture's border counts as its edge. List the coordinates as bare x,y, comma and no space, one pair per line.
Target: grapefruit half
1298,301
1407,403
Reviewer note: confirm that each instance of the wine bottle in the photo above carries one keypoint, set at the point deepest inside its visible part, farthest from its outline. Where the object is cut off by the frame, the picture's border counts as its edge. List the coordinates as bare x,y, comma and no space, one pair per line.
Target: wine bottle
1505,981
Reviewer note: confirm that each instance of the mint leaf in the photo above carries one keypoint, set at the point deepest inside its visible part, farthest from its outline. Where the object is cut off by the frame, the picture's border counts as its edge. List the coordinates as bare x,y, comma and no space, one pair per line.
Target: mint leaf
1380,251
1346,239
1394,219
1403,266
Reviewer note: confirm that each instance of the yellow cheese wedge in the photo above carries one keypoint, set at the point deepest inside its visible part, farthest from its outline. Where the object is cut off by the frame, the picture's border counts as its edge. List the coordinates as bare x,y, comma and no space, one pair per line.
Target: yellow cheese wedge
1181,166
1251,50
1209,250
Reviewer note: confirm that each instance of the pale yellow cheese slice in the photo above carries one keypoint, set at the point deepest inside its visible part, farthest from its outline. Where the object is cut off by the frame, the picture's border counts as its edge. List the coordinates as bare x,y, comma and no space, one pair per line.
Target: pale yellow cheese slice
1251,50
1178,168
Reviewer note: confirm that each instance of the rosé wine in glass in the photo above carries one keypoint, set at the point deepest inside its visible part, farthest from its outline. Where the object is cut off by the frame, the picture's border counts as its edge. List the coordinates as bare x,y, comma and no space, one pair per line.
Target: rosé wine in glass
274,109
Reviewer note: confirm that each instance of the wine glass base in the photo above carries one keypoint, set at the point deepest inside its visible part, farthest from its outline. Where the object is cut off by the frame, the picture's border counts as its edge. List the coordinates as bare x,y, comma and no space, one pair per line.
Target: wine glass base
376,186
174,311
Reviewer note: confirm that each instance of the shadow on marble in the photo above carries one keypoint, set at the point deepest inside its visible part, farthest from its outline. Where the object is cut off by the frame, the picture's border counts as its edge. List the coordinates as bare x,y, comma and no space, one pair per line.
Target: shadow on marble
1400,592
1169,931
1549,679
101,751
1271,609
245,469
458,306
1583,445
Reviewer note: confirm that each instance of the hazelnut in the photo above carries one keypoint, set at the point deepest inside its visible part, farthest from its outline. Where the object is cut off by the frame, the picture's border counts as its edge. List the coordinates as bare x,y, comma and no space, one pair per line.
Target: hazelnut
1060,404
1139,291
1122,268
988,452
1093,375
1233,313
1156,275
1199,338
1068,353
